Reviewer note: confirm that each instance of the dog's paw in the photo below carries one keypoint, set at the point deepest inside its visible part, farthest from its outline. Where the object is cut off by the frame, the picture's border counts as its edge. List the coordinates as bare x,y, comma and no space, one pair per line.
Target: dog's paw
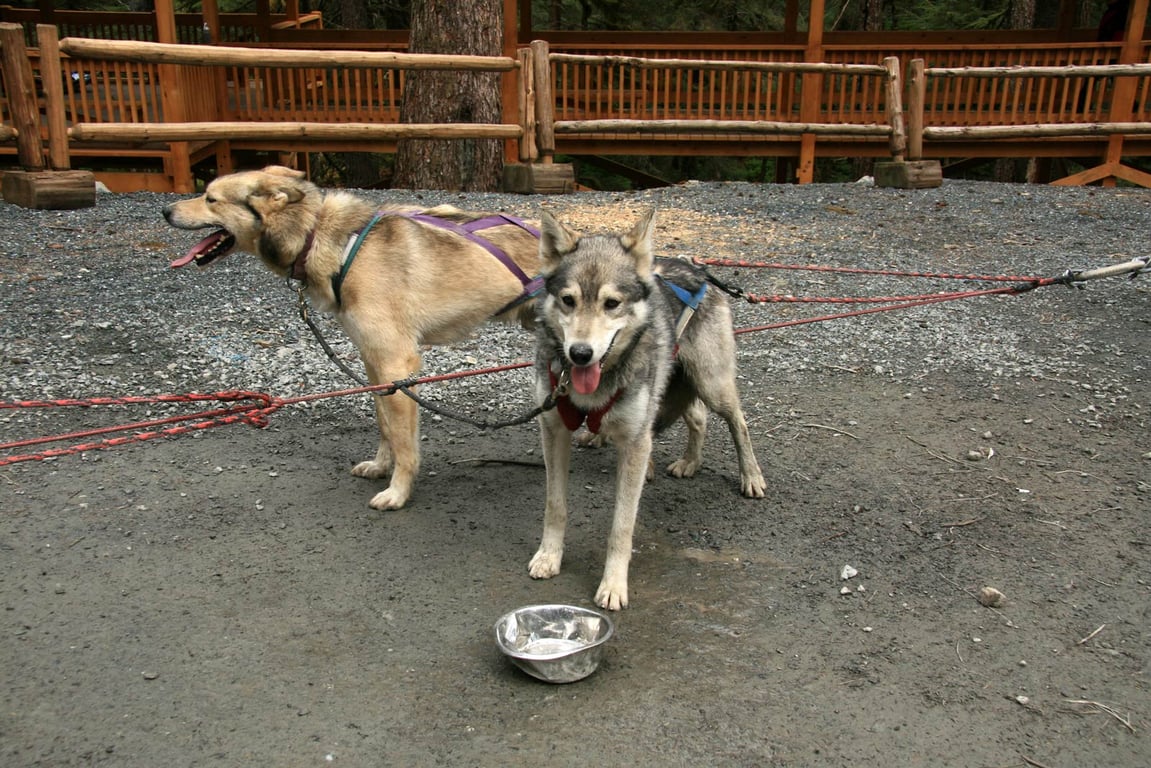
611,596
753,487
545,564
587,439
372,470
683,468
389,498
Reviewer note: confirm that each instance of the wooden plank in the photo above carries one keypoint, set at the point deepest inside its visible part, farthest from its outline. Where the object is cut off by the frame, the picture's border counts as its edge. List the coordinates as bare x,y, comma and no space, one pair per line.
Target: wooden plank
918,174
49,190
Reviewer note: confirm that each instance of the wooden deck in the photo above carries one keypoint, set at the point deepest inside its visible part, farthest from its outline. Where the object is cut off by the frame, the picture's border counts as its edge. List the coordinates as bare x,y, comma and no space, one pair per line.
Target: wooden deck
592,83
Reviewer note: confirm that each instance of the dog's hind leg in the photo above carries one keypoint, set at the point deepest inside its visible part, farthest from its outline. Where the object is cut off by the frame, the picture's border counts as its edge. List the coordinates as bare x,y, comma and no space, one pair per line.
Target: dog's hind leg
695,417
722,396
633,463
381,465
557,458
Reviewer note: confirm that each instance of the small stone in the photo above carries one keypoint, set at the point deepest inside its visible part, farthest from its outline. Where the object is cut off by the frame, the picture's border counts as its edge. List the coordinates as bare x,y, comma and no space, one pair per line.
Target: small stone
1024,700
991,597
151,675
847,573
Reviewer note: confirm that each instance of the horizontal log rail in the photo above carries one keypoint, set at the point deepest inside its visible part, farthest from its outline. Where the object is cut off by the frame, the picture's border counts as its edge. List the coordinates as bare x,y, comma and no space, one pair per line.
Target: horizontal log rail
773,127
171,53
1034,131
640,62
214,131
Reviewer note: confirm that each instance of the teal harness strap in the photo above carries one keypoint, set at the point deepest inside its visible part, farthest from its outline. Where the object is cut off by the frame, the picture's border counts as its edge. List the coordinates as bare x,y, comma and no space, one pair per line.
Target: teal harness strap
350,255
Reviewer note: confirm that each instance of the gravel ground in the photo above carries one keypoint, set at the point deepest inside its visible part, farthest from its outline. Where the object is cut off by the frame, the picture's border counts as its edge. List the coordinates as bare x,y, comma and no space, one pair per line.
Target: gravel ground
228,598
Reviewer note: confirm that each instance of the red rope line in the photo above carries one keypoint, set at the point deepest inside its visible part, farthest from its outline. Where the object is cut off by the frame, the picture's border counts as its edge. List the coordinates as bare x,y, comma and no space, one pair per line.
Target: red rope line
938,299
862,271
255,413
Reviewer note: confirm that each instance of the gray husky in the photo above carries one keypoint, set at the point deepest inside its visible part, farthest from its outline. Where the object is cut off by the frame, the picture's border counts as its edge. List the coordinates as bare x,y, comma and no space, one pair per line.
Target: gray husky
608,353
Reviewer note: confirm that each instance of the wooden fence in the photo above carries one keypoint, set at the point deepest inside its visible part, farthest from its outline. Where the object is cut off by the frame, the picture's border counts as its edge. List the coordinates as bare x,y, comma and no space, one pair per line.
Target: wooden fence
188,105
169,99
1038,102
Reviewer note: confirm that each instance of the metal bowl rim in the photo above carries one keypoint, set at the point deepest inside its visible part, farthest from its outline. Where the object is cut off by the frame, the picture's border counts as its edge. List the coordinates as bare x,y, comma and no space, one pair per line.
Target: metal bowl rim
559,654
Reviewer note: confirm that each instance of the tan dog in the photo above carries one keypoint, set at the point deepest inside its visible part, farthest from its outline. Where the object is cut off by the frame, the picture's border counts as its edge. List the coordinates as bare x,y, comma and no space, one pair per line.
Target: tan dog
415,277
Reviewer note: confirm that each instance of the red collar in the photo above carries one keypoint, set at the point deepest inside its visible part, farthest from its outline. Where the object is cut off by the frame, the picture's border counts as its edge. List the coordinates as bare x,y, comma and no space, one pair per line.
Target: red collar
573,416
299,266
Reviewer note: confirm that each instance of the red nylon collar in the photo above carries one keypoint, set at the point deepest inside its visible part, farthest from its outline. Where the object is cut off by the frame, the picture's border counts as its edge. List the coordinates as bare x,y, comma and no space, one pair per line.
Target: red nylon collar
573,416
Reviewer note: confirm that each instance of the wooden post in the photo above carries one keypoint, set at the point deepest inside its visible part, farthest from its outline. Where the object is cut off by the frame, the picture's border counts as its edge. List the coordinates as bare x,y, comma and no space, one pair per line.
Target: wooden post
34,187
510,85
1123,96
899,173
52,77
893,85
916,99
178,166
545,102
539,139
1122,105
810,95
527,107
20,85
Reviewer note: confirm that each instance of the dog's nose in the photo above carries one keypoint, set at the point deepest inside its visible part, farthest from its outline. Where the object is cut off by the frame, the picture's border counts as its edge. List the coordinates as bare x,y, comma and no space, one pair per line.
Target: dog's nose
580,354
168,213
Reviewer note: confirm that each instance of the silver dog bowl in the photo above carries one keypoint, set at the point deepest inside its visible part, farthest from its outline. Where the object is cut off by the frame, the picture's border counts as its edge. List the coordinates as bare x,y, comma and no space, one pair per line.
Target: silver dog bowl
554,643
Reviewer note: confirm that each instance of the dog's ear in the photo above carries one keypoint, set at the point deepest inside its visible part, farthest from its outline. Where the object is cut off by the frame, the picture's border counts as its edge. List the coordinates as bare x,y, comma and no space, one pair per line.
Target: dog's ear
638,243
281,170
276,194
556,240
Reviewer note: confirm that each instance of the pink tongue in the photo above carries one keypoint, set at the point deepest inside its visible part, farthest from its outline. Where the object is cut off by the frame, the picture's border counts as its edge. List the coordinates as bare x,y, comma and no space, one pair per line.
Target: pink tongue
183,261
220,239
585,378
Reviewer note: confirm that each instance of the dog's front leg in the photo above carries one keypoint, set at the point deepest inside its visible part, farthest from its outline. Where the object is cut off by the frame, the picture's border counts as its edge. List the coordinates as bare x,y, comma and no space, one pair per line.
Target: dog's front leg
399,421
557,458
404,429
633,463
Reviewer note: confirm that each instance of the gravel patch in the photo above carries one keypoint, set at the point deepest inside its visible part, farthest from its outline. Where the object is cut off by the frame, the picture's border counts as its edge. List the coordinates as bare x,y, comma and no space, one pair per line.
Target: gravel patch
93,308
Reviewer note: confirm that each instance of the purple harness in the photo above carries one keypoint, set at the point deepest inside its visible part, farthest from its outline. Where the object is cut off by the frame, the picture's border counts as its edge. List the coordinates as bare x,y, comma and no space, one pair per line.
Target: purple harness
532,285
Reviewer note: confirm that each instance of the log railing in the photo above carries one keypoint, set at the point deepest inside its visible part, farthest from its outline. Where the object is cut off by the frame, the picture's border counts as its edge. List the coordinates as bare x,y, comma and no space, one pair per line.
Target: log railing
128,98
591,98
1028,103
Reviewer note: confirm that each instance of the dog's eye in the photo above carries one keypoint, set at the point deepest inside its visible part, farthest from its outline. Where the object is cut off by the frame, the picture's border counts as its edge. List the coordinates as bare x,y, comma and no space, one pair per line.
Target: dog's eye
568,300
611,304
209,199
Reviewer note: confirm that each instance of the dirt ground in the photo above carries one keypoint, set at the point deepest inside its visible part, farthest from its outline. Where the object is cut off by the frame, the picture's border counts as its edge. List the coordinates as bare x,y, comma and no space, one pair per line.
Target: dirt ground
228,598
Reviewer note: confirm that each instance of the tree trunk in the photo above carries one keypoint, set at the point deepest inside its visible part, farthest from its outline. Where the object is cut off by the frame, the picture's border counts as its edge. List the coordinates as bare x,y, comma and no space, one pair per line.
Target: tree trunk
470,27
